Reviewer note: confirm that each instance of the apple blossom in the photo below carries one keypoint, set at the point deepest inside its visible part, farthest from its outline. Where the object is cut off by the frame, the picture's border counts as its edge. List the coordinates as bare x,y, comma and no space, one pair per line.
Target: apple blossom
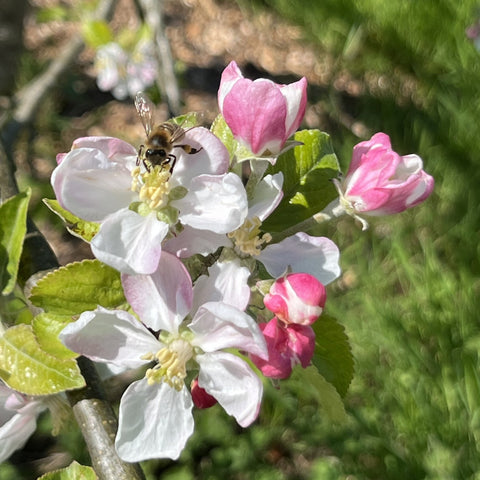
296,298
125,73
18,419
318,256
288,345
99,181
155,418
261,114
380,181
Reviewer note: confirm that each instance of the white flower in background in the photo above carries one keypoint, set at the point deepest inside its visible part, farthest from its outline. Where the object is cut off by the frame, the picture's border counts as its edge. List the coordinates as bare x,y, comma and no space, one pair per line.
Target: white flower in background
124,73
196,325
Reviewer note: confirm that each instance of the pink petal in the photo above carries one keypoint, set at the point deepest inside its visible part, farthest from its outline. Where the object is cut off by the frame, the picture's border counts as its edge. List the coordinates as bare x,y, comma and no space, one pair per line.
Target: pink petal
163,299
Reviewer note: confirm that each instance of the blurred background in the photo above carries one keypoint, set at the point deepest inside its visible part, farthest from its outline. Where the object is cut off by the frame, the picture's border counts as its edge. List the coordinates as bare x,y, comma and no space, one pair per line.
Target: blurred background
409,296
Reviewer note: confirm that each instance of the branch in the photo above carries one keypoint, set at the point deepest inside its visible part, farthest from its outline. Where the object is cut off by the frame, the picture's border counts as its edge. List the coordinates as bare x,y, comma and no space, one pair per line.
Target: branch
167,81
29,98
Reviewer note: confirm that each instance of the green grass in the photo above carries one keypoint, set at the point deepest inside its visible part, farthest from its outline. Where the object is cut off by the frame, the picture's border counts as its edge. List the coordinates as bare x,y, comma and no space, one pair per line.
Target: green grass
412,315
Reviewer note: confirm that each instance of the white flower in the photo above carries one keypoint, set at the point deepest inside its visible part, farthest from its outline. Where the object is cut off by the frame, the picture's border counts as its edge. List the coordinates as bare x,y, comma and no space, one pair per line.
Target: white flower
98,181
195,325
18,420
318,256
125,73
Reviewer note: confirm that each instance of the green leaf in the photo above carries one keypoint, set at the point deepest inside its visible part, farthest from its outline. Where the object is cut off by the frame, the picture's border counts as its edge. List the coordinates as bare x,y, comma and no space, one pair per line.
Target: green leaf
76,226
333,356
79,287
25,367
220,129
314,384
13,227
96,33
307,187
46,327
74,471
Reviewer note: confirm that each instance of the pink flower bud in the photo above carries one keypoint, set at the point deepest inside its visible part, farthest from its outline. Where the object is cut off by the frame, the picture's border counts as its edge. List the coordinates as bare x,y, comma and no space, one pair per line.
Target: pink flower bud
296,298
200,397
380,181
261,114
288,346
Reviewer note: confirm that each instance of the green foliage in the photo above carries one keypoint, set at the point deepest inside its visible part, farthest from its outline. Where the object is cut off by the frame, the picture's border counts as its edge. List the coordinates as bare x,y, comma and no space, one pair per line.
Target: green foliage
333,356
308,170
74,471
222,131
25,367
79,287
314,384
76,226
13,227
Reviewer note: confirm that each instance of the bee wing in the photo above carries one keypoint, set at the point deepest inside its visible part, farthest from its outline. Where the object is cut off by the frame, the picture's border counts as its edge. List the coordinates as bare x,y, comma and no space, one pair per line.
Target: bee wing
177,133
145,109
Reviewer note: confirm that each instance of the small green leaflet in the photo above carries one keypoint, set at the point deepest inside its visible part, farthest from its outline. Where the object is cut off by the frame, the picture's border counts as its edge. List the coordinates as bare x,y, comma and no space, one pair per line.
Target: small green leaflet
74,471
312,383
308,170
222,131
13,227
76,226
25,367
46,327
79,287
333,356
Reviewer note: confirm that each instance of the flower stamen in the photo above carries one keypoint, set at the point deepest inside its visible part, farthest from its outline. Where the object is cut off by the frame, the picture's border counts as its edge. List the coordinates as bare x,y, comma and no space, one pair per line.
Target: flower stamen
152,186
247,238
171,367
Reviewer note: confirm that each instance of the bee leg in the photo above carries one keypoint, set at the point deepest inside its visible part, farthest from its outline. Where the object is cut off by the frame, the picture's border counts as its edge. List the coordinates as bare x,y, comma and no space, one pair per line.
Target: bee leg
189,149
140,155
171,160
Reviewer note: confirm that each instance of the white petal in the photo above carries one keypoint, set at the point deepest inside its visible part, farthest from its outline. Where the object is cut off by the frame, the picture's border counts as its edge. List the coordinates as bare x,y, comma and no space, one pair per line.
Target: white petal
318,256
267,195
226,282
90,185
15,433
233,383
130,242
110,336
217,326
212,159
217,203
155,421
164,298
191,241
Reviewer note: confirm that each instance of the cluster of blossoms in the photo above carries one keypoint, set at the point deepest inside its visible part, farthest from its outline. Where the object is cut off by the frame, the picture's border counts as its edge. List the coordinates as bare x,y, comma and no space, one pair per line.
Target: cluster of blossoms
124,72
151,217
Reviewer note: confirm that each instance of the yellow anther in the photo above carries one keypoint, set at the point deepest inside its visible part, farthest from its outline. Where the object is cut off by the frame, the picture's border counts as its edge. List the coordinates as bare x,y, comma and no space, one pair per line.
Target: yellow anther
152,186
247,238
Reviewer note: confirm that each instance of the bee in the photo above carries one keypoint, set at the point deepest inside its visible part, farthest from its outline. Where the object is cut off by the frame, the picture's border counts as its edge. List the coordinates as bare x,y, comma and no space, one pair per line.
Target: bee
161,139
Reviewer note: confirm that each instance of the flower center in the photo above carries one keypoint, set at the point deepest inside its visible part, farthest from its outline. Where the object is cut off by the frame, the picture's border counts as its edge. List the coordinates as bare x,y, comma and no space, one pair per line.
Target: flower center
247,238
152,186
171,367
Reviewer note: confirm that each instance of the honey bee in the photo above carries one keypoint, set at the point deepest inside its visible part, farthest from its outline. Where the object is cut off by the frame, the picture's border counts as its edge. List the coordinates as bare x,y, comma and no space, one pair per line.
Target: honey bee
161,139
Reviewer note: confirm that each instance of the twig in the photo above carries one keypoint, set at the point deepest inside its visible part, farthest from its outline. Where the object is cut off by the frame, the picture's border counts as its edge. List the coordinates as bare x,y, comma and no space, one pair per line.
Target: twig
167,81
